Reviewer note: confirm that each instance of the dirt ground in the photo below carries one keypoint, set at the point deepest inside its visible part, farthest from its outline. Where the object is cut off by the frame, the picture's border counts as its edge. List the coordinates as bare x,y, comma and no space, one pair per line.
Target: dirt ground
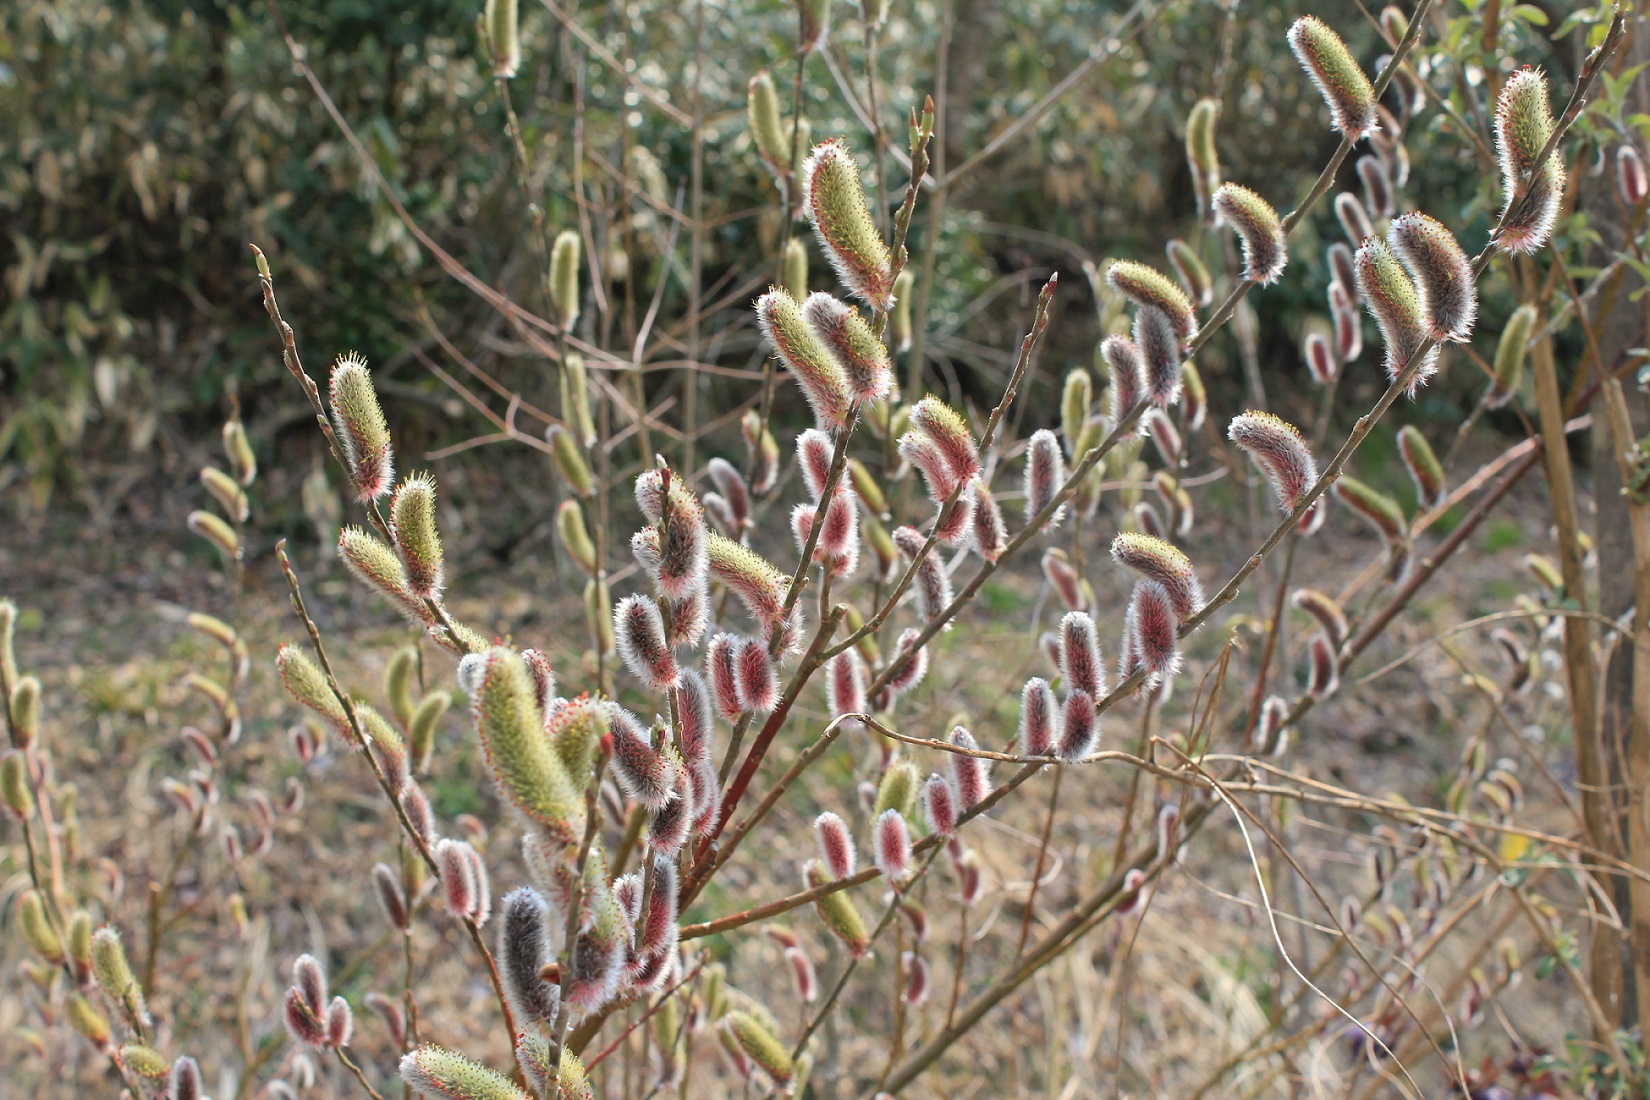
1142,1008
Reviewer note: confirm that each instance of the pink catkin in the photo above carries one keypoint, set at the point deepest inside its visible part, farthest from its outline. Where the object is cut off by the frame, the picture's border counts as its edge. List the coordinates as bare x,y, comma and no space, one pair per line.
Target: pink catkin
813,458
1081,666
939,804
803,975
1127,373
1155,630
1038,731
1320,358
722,669
836,846
642,771
1063,579
986,528
1349,329
758,680
640,633
1277,448
845,684
970,775
912,671
1154,335
892,847
1079,727
1045,476
1324,668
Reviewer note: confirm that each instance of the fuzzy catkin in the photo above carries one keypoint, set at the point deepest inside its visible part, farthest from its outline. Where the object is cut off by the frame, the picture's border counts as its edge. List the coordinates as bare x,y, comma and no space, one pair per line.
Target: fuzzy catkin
1276,446
1441,273
1523,127
1340,80
1265,251
834,199
1146,286
1397,308
360,427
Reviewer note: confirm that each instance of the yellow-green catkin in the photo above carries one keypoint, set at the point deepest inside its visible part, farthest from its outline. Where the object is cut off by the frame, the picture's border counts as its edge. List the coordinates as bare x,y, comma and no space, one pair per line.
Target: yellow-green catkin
761,1045
1076,401
835,202
213,529
440,1074
359,424
1201,155
226,491
399,676
899,321
86,1019
866,485
243,461
25,710
412,522
568,456
767,130
575,536
511,730
564,277
37,929
145,1061
503,26
80,943
1509,356
598,612
796,268
898,789
8,646
421,730
1340,80
14,784
114,973
575,398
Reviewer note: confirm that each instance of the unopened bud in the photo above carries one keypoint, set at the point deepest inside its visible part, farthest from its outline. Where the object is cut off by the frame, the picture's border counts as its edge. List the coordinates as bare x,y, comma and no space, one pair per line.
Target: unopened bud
566,257
503,36
1509,357
1424,468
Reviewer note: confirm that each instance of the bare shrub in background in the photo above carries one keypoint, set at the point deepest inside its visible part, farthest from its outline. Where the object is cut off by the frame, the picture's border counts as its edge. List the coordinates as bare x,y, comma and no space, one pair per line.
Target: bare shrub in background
644,784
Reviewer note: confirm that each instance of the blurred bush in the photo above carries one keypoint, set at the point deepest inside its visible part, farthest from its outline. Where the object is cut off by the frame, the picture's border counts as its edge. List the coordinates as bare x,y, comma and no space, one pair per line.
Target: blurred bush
144,144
